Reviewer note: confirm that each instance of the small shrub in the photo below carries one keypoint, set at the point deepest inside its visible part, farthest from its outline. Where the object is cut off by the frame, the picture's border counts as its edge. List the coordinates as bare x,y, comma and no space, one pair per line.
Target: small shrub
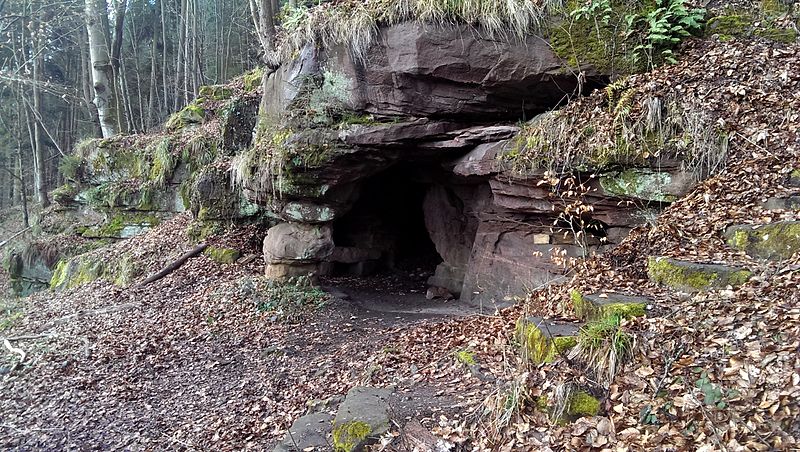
288,301
71,167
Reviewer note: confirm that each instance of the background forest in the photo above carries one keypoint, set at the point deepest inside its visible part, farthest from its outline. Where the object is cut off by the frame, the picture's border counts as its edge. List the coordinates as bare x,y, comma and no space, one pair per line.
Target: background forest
138,60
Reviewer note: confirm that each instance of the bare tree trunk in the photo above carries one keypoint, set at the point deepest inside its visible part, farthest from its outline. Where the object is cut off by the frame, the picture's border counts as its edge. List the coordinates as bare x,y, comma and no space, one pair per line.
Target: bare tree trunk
86,84
181,47
38,151
151,97
164,66
102,69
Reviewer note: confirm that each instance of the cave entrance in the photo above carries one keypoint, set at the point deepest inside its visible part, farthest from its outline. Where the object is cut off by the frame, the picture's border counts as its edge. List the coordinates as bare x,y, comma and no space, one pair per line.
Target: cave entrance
390,243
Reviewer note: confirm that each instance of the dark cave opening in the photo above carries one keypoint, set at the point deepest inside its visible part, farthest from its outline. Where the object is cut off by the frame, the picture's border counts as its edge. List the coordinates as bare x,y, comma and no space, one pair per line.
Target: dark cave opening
385,231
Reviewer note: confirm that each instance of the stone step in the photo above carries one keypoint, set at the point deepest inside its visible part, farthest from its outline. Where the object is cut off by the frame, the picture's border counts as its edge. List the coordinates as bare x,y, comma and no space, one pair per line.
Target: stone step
362,418
604,304
791,202
774,241
543,339
309,432
695,277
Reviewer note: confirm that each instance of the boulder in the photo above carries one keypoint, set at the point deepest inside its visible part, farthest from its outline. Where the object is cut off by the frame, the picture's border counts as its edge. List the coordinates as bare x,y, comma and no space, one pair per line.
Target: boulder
421,69
297,243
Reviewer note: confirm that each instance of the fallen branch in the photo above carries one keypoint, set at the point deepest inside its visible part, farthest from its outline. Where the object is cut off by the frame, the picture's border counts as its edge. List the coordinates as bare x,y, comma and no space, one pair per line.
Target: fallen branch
16,234
105,310
31,337
173,266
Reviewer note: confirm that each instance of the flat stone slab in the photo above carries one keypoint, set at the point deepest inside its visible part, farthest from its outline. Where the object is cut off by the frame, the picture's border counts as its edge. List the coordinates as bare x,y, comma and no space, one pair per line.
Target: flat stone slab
308,433
596,306
785,203
544,339
774,241
695,277
362,418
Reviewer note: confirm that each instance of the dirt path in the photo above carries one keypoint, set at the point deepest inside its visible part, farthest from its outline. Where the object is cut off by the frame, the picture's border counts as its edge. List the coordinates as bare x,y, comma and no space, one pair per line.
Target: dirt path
194,366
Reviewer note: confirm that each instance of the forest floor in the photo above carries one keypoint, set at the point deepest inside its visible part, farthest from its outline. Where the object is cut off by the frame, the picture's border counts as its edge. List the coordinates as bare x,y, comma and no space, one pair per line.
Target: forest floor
190,362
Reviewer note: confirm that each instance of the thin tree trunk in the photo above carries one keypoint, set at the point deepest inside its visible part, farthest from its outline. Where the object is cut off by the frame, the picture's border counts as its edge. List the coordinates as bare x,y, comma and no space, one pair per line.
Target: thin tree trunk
86,84
102,69
164,66
152,94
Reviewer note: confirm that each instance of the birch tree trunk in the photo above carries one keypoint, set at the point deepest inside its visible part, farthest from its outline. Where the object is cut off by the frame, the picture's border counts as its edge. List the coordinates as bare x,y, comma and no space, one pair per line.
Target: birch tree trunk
102,70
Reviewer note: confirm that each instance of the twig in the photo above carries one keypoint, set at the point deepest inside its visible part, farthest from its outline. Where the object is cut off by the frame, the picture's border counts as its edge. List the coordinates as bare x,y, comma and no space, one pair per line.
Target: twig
105,310
667,367
31,337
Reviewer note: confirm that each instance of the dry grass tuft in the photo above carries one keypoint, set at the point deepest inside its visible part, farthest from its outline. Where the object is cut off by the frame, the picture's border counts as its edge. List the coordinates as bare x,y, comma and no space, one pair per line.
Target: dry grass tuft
355,23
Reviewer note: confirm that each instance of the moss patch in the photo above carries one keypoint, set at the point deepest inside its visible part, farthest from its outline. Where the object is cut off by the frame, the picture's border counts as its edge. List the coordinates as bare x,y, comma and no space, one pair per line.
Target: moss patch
587,310
694,277
252,80
775,241
347,437
222,255
538,346
581,404
466,357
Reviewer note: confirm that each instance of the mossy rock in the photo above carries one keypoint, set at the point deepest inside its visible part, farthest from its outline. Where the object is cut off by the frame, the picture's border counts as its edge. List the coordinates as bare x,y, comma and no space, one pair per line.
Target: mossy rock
191,114
542,340
252,80
774,241
215,92
731,25
695,277
76,272
65,195
635,183
594,306
361,419
123,226
86,268
222,255
744,24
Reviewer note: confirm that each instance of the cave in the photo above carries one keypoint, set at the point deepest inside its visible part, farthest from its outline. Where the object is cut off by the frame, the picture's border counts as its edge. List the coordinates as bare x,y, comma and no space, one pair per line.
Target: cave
398,236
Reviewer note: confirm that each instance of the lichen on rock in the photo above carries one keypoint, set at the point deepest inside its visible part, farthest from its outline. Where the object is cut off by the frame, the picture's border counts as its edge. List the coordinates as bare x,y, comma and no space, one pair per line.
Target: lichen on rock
695,277
774,241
